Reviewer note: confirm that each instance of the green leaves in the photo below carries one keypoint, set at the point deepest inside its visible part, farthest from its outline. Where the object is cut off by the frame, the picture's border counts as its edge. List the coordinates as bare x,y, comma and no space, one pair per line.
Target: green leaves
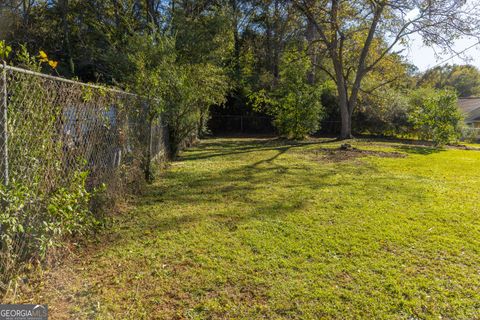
181,92
435,115
60,212
5,50
294,104
465,79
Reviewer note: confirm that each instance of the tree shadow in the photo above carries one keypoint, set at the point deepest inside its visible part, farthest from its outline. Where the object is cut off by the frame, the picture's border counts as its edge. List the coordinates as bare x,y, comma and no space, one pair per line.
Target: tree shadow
421,150
191,192
216,148
404,141
177,202
200,188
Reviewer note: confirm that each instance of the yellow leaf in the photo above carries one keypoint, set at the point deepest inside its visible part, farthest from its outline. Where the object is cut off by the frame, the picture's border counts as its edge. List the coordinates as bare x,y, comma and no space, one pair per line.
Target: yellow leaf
53,64
42,55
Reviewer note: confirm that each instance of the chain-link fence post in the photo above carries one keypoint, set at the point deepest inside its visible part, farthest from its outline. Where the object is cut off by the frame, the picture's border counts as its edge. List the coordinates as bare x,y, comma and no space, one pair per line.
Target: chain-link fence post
3,126
150,141
148,145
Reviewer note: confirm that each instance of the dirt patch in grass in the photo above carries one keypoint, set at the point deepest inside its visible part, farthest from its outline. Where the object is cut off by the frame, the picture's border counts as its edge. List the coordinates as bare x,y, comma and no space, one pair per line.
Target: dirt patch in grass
347,152
285,245
463,147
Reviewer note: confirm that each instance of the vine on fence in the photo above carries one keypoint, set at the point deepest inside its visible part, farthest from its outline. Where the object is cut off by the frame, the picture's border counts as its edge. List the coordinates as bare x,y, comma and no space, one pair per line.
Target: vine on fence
69,145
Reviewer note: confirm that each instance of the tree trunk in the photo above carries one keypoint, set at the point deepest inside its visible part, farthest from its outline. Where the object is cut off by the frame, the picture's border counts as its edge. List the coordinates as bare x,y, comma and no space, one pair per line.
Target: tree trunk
66,35
345,113
151,14
236,41
310,36
343,101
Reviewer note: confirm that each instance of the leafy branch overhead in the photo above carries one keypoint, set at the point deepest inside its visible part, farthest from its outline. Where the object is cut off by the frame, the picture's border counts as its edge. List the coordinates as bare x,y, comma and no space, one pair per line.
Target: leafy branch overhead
356,36
191,57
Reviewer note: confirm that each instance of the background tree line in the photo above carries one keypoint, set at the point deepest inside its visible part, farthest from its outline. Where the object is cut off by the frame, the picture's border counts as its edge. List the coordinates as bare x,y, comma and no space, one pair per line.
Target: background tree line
300,62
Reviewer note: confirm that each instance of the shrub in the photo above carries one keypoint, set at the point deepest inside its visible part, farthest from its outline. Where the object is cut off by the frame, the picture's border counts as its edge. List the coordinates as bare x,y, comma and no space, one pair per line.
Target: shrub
469,134
193,90
33,221
298,114
180,92
385,113
295,105
435,115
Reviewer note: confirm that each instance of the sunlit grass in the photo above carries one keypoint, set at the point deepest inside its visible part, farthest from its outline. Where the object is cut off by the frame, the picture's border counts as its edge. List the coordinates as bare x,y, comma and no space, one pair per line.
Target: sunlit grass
245,228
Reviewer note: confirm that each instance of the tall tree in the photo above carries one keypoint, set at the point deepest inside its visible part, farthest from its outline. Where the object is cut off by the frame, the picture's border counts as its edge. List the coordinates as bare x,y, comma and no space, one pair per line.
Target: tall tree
348,33
465,79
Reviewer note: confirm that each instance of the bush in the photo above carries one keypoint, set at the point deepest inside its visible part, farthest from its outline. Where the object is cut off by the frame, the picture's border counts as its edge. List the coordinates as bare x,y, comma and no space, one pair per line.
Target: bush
469,134
33,221
182,93
298,114
435,115
193,90
65,143
386,113
295,105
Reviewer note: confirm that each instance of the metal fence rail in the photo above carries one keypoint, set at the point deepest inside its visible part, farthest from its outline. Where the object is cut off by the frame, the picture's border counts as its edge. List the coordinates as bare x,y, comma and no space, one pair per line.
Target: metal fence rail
52,128
220,124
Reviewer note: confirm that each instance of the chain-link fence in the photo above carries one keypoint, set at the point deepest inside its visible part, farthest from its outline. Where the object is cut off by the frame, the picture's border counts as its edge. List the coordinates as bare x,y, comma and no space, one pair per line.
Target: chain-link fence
239,124
53,131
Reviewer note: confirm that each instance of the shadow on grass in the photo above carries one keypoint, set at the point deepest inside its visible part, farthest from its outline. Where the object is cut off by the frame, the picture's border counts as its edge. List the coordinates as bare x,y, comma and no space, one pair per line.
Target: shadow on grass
223,200
213,148
422,150
405,141
192,197
236,186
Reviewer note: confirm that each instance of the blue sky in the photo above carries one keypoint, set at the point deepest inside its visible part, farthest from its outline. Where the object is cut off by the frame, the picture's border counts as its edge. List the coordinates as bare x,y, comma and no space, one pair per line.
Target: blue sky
424,57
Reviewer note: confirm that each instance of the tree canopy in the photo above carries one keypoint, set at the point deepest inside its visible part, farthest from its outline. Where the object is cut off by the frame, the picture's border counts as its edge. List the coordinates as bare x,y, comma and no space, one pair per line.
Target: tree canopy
465,79
241,47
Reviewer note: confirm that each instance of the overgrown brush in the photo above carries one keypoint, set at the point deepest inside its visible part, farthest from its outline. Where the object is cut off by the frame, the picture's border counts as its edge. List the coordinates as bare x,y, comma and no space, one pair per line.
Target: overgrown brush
73,150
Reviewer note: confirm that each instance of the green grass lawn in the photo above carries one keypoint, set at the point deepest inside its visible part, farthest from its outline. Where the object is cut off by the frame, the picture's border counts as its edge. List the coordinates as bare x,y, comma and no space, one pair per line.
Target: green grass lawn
260,228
